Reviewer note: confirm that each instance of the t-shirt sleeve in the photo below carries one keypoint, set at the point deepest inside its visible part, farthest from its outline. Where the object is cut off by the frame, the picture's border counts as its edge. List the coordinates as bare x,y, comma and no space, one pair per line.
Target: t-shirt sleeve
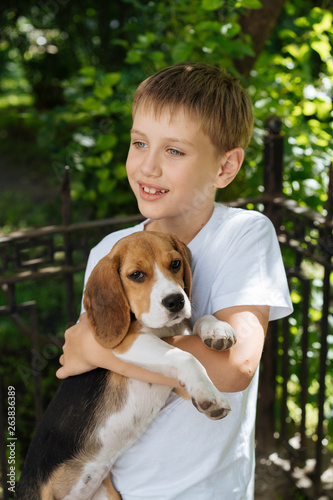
251,271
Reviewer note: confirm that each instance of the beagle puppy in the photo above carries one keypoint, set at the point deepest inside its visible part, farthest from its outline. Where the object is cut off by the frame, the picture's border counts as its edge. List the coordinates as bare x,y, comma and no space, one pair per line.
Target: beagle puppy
135,296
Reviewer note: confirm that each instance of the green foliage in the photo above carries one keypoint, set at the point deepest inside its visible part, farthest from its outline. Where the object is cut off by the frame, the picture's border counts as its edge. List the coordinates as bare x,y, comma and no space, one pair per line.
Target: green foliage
79,105
69,74
293,79
312,276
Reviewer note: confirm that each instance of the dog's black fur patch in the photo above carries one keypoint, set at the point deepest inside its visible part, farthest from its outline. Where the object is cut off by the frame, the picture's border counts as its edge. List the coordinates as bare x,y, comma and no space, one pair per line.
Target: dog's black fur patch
61,434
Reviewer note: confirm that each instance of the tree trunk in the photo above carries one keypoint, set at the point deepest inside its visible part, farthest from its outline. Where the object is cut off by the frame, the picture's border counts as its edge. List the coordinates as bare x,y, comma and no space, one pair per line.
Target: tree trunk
258,24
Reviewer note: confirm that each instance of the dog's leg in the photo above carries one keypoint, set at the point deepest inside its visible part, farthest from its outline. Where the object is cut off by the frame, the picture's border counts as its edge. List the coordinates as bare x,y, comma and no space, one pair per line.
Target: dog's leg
152,353
106,491
216,334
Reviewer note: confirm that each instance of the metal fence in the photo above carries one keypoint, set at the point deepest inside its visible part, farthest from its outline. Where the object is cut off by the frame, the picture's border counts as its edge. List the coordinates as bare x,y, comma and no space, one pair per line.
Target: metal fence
307,243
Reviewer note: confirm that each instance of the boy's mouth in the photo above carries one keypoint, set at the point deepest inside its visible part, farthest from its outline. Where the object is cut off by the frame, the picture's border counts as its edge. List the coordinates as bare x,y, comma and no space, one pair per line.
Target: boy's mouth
153,190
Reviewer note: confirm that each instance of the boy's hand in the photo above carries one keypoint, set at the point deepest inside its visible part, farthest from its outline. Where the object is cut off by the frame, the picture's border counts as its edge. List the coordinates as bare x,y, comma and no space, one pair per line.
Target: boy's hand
80,351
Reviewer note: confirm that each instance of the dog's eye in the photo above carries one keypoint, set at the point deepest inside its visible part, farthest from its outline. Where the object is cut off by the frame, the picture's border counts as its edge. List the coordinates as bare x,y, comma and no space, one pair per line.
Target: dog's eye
175,266
137,276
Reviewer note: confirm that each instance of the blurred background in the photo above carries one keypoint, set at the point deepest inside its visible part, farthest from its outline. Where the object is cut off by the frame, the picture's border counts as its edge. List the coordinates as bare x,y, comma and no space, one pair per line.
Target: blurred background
68,71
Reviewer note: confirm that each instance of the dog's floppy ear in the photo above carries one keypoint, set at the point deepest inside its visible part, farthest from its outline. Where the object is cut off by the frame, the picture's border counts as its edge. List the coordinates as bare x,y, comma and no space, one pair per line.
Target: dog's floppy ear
105,302
185,252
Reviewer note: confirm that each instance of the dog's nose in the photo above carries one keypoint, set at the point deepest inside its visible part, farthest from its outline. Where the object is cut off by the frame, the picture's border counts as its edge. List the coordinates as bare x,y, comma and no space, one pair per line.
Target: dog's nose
174,302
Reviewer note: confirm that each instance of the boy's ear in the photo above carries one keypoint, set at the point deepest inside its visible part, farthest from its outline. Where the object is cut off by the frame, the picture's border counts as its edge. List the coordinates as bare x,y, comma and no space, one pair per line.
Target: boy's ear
231,163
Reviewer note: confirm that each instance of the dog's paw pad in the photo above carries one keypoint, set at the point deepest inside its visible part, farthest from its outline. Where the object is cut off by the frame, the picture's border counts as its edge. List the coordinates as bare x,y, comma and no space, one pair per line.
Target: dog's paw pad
220,344
218,414
217,335
220,339
211,409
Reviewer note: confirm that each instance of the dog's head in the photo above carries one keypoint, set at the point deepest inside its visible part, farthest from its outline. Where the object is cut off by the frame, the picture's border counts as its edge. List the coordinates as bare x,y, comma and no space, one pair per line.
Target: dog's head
147,274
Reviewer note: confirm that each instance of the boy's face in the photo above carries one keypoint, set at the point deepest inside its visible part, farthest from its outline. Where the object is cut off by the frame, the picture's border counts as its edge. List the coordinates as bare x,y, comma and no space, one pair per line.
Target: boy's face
171,166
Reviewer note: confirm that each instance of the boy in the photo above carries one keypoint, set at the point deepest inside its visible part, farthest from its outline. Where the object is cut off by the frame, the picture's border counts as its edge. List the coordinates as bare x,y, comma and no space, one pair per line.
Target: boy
191,123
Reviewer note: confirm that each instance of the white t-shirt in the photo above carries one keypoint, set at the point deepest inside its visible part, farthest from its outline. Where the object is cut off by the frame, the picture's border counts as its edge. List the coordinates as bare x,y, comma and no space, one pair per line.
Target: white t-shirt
183,455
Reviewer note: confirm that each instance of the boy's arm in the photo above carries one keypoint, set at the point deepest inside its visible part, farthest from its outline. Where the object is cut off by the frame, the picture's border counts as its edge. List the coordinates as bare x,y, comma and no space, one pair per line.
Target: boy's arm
230,371
82,353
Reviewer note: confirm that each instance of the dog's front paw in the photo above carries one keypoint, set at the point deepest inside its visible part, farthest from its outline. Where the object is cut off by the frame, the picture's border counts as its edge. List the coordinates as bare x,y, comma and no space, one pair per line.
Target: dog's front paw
205,396
215,408
216,334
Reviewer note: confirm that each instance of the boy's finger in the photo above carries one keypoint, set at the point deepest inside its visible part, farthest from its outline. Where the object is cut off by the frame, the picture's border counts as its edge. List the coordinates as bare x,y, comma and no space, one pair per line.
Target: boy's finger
61,374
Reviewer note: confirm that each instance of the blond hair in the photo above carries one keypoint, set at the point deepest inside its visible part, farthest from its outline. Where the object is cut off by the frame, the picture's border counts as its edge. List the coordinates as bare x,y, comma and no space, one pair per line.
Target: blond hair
209,94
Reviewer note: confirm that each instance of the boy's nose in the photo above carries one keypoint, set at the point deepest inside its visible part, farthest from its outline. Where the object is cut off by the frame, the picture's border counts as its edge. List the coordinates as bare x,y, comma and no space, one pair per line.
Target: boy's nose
151,165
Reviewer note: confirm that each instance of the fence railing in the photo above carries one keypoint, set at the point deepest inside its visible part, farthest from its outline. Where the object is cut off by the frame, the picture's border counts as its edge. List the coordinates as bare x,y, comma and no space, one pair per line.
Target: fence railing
287,385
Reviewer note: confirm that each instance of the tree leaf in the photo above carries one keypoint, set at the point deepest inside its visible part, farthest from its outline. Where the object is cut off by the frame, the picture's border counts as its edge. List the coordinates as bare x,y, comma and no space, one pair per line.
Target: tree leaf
102,92
211,4
249,4
323,47
181,51
89,71
106,157
111,79
106,141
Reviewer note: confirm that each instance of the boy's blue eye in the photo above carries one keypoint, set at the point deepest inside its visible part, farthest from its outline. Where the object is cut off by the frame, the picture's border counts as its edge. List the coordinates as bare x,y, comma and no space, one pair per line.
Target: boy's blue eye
175,152
140,144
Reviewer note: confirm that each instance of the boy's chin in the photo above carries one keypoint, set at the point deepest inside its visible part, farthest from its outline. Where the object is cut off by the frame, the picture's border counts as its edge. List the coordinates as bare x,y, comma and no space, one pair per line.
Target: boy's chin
149,212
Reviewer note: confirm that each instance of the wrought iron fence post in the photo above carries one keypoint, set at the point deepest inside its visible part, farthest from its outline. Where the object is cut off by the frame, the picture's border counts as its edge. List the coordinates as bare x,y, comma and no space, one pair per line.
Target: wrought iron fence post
323,338
272,180
36,373
273,157
66,220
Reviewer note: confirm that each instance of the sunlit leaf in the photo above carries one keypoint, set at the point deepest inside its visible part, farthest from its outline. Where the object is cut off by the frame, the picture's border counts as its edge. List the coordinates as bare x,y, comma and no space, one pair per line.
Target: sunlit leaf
323,47
315,315
111,79
323,109
302,22
249,4
309,108
295,297
325,24
93,161
106,157
88,71
102,92
211,4
92,104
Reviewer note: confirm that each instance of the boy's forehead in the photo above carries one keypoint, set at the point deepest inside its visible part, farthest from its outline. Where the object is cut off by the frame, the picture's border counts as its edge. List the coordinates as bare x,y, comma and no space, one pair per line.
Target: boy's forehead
187,126
165,111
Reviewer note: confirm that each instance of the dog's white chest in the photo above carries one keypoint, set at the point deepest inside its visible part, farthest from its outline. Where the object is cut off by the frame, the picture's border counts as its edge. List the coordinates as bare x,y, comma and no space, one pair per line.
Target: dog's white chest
122,428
